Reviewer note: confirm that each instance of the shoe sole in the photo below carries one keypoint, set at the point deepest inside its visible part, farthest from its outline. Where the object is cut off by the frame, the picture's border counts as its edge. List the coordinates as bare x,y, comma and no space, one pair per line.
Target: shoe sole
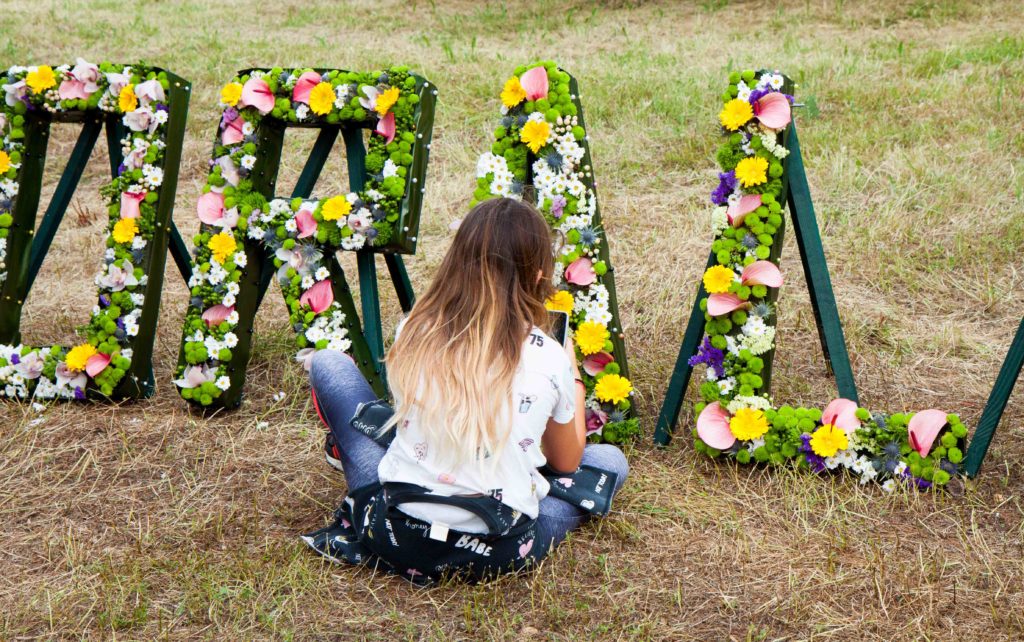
334,463
331,558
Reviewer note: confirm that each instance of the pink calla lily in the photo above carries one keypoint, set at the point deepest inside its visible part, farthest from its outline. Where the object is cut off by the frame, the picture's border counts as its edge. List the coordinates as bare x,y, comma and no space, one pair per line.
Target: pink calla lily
719,304
96,364
306,223
304,85
923,428
211,208
595,364
535,82
713,427
319,297
773,110
195,376
232,132
581,272
215,315
595,420
130,204
386,127
762,273
841,413
745,205
72,89
256,93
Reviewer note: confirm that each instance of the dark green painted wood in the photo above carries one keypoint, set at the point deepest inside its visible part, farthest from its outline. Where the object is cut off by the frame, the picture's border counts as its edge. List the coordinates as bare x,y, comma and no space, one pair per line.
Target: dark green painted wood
819,284
400,277
62,197
179,252
668,417
1009,373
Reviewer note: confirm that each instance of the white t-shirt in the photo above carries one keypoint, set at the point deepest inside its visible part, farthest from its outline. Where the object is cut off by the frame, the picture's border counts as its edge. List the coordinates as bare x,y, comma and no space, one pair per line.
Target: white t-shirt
543,387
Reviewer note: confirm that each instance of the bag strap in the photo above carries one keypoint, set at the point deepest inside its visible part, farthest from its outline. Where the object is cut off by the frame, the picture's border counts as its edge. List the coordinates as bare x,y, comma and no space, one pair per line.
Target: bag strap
486,508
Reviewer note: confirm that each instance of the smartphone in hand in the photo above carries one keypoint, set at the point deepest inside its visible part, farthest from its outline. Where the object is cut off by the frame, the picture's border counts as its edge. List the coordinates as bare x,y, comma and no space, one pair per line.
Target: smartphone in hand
559,326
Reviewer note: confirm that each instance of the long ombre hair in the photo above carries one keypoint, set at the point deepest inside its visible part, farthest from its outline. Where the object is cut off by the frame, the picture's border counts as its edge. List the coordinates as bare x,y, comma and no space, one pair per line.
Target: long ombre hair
453,362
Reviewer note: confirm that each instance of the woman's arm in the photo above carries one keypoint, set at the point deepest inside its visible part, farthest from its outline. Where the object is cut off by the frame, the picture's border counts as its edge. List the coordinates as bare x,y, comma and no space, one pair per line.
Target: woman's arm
563,443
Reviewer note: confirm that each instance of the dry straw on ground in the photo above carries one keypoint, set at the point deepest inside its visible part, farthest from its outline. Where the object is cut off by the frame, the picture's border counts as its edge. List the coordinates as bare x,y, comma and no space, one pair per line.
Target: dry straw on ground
143,521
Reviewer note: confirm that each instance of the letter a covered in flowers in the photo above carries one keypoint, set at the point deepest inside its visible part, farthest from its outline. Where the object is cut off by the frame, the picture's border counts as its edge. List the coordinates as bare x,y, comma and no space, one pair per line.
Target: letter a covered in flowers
144,108
541,152
249,237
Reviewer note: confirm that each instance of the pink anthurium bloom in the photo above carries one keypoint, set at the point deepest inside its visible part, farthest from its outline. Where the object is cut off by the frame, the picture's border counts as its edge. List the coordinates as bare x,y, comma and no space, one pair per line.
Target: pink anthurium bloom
319,297
581,272
211,208
713,427
130,204
306,223
745,205
232,132
595,364
596,419
72,89
195,376
215,315
923,428
256,93
719,304
762,273
304,85
386,126
773,110
96,364
841,413
535,82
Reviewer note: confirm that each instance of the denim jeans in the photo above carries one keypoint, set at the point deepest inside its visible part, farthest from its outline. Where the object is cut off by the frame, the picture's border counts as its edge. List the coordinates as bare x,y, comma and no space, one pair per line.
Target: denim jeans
340,387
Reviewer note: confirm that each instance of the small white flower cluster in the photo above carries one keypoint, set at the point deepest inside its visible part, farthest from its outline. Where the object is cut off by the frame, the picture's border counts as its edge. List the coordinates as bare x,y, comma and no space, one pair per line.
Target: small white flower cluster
496,168
15,383
757,336
858,464
754,402
592,303
330,327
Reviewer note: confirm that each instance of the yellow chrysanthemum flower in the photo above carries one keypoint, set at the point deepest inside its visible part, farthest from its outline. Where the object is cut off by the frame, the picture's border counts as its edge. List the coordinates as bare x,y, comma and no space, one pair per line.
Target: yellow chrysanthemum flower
335,208
125,230
231,93
561,301
748,423
222,245
5,162
386,100
127,100
322,97
718,279
612,388
828,440
513,93
752,171
590,337
535,134
735,114
41,79
78,356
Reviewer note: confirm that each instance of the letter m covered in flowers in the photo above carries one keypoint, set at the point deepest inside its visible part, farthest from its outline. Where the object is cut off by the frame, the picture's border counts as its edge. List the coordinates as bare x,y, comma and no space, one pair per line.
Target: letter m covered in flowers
144,110
249,237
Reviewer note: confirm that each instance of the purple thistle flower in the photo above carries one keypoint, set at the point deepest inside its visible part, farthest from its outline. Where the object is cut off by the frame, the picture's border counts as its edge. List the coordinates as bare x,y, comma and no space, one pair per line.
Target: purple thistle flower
710,355
726,186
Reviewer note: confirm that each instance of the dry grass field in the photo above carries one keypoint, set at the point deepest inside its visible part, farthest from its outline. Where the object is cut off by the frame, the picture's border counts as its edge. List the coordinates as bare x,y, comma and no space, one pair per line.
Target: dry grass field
145,521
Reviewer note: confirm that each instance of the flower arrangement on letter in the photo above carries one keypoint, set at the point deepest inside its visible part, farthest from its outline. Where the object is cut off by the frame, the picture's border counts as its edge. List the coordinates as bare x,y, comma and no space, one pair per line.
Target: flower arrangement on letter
302,235
541,143
737,417
139,93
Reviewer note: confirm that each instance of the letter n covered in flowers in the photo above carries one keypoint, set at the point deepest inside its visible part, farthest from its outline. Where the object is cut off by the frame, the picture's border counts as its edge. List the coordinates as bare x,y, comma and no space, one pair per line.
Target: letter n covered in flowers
144,110
249,237
541,152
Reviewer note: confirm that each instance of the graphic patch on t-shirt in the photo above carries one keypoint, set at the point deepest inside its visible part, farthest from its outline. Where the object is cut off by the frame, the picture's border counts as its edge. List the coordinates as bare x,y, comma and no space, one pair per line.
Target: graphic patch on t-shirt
525,401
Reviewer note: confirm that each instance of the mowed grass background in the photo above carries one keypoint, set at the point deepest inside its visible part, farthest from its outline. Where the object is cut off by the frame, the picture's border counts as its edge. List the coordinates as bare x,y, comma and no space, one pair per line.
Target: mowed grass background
144,521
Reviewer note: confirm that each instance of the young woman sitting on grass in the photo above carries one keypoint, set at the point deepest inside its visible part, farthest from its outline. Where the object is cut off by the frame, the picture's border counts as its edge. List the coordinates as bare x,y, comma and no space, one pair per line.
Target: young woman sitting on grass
449,484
